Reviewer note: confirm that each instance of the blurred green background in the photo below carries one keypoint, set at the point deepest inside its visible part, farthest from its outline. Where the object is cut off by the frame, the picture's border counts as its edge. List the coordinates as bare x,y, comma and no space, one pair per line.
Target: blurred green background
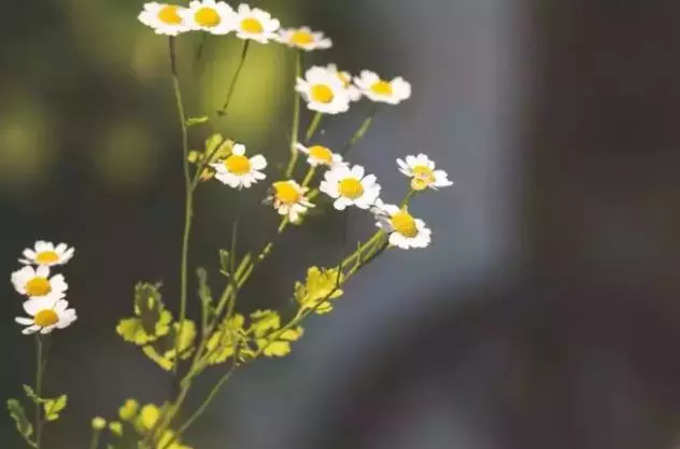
544,314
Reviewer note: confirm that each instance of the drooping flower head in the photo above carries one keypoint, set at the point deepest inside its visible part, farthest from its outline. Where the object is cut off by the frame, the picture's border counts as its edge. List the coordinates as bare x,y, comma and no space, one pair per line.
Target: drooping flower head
383,91
304,38
215,17
289,199
318,155
46,315
405,231
350,187
46,253
37,283
422,171
255,24
164,18
238,171
346,78
323,91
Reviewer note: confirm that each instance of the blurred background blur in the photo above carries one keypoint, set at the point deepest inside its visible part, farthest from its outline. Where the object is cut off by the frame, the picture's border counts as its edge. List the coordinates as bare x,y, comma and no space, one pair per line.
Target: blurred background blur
545,313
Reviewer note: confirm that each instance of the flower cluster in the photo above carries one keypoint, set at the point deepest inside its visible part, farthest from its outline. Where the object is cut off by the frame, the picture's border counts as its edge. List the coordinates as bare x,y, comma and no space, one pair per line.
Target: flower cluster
44,304
326,89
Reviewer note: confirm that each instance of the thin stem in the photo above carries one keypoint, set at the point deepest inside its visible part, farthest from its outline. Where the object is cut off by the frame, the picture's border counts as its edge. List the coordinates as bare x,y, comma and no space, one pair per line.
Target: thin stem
211,396
313,125
188,200
296,118
361,131
41,363
309,176
94,442
232,85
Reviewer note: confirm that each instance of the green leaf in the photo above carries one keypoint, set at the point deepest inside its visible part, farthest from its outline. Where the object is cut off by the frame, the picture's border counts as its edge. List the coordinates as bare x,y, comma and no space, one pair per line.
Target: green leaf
224,262
148,305
30,394
279,345
319,288
224,341
54,406
264,321
191,121
18,414
203,288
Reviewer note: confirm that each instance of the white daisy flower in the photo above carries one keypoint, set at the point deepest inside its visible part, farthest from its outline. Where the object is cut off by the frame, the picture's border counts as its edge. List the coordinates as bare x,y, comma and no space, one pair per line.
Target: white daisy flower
164,18
421,169
320,155
209,15
45,253
304,38
37,283
379,90
346,78
350,187
237,170
289,198
323,91
255,24
45,316
405,231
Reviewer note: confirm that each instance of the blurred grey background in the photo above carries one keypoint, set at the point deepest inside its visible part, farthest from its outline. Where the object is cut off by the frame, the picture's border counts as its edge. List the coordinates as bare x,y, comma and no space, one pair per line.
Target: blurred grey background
545,312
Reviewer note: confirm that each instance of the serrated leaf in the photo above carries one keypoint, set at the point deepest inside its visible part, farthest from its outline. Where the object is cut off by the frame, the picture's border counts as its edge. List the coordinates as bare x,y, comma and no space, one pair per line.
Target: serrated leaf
264,321
191,121
279,346
148,305
54,406
18,414
319,288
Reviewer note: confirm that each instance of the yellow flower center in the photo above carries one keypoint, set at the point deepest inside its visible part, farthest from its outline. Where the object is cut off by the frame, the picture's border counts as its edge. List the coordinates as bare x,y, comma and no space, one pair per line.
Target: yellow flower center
351,188
322,93
321,153
301,37
382,88
46,318
423,176
286,192
207,17
46,257
251,25
38,287
168,14
238,165
404,224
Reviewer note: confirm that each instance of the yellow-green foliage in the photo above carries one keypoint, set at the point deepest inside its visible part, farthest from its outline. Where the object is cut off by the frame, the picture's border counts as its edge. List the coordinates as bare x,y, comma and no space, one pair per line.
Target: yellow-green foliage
320,287
224,341
153,328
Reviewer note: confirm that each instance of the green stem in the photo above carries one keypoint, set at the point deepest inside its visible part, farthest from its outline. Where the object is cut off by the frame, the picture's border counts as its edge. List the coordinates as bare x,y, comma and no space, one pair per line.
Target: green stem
94,443
359,134
296,118
313,125
41,363
188,200
232,85
309,176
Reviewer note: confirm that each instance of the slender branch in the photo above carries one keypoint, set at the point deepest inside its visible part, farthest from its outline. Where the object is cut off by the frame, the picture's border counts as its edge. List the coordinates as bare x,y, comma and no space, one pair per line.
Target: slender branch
41,363
232,85
313,126
94,442
361,131
188,198
296,117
